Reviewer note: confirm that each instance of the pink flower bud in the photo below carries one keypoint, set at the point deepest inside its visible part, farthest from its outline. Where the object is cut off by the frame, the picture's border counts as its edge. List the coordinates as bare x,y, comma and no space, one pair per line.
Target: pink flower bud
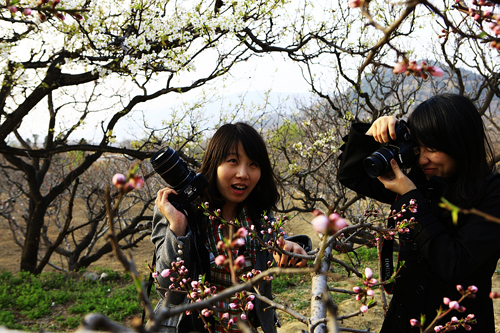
368,273
454,305
435,71
370,292
400,67
27,11
239,262
470,316
155,275
220,260
354,3
363,308
225,316
438,328
356,289
320,224
233,306
446,300
166,272
472,289
119,180
238,242
460,288
243,316
414,323
242,232
249,306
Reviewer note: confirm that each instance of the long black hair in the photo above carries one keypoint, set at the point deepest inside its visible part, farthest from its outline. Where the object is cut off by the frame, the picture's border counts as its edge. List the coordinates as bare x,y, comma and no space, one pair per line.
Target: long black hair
452,124
264,196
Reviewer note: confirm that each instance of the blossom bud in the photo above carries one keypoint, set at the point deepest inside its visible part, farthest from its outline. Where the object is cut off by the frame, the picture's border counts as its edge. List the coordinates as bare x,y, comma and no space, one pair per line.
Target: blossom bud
242,232
320,223
225,316
118,180
414,323
243,316
454,305
363,308
438,328
370,292
219,260
460,288
472,289
155,275
446,300
368,273
249,306
166,272
27,11
239,262
356,289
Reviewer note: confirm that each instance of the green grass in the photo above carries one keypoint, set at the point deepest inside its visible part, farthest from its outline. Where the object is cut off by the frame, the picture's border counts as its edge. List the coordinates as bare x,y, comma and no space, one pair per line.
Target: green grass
59,301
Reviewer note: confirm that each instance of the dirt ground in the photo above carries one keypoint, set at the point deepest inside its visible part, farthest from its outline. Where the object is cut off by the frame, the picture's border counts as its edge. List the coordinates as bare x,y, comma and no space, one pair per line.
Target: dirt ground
10,261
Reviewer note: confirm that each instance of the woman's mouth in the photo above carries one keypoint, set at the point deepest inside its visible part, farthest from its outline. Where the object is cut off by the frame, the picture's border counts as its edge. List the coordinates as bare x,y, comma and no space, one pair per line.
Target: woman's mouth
239,188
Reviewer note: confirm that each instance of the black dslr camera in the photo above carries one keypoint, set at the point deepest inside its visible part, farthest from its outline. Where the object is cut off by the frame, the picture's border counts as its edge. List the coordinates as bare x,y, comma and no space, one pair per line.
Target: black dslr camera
403,150
174,170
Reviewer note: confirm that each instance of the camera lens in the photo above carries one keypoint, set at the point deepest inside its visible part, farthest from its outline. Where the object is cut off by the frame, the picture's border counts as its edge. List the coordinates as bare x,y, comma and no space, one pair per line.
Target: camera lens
378,162
168,164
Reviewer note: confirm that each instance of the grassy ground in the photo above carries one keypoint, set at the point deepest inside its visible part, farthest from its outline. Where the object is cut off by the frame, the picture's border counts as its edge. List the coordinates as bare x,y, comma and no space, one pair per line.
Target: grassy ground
57,302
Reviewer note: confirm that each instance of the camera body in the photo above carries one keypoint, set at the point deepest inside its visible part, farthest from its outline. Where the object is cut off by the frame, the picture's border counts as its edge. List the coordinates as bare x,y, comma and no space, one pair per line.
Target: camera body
174,171
403,150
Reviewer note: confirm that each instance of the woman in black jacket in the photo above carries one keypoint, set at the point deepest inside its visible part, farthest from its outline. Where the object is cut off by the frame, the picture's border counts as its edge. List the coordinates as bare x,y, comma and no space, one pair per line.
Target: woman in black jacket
454,162
241,184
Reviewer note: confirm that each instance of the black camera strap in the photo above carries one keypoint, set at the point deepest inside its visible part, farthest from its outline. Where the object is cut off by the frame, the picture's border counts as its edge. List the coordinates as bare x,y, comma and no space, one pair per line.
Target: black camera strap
386,258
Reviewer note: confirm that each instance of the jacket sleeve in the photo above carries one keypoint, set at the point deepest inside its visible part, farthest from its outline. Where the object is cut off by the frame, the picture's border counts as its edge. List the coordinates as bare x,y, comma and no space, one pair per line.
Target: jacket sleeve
168,248
456,252
351,172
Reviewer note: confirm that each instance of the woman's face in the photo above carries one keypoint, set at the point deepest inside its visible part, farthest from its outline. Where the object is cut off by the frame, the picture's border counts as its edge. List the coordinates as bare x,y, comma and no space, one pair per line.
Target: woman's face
237,176
436,163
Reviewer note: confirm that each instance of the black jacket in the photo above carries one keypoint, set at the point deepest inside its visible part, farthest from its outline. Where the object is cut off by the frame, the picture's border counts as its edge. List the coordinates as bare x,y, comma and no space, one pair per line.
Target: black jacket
438,255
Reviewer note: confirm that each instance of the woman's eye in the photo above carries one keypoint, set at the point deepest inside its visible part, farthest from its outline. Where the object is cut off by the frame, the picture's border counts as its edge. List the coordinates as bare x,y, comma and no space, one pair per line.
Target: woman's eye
255,164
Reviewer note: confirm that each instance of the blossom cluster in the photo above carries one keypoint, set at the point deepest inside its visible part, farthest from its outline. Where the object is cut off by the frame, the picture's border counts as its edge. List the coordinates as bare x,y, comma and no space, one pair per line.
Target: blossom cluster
127,183
243,302
454,323
412,68
366,294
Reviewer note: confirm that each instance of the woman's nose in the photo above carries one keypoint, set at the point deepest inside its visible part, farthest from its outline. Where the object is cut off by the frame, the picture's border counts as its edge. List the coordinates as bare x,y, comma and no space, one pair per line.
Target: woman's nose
242,172
422,157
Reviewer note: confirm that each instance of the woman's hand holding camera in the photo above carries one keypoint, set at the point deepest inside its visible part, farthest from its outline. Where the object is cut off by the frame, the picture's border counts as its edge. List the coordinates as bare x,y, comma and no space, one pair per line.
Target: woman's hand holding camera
178,221
383,129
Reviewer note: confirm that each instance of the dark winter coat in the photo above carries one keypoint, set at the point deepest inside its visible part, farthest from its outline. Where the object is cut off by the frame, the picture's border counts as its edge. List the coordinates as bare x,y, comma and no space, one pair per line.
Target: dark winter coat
438,255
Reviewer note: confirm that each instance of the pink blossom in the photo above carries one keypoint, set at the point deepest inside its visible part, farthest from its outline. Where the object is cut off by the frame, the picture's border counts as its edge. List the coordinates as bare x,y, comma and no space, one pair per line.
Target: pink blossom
454,305
438,328
219,260
460,289
472,289
354,3
27,11
446,300
242,232
118,180
238,242
155,275
363,308
370,292
233,306
368,273
239,262
414,322
249,306
338,222
435,71
206,312
470,316
166,272
320,223
400,67
243,316
356,289
250,298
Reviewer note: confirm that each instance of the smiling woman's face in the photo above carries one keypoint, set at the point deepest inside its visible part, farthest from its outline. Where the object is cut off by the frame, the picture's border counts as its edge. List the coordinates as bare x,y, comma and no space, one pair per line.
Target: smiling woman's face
436,163
237,176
